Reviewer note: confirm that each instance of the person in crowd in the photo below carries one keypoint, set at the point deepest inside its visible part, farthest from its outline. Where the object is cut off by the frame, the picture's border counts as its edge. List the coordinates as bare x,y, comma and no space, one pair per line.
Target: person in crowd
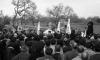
36,49
53,44
15,47
90,29
72,36
3,50
41,35
66,49
14,37
23,55
48,56
47,44
96,45
50,35
57,35
58,54
60,42
81,54
69,55
94,57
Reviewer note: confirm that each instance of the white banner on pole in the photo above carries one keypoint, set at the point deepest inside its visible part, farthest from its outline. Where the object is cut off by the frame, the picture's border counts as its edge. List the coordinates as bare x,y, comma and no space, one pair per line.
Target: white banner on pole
38,28
68,30
58,27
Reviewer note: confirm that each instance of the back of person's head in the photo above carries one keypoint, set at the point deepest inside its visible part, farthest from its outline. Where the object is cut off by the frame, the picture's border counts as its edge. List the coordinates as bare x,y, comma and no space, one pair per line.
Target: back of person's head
73,44
57,48
67,48
80,49
44,37
53,42
60,42
47,42
49,31
65,26
84,56
48,51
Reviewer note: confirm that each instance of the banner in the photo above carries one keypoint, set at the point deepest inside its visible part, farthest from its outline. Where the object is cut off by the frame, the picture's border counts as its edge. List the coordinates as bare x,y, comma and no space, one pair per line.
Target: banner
85,33
38,28
58,28
68,30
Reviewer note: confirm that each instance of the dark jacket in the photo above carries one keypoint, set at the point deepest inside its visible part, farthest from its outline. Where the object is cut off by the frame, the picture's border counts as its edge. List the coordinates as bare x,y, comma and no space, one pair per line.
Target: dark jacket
21,56
70,55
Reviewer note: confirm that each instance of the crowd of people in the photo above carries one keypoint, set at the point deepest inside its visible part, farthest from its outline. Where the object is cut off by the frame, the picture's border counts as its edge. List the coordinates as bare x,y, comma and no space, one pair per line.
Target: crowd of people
23,45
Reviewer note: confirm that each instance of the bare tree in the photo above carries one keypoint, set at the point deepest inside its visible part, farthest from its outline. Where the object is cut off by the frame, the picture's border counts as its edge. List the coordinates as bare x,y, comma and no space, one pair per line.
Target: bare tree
68,11
60,12
24,9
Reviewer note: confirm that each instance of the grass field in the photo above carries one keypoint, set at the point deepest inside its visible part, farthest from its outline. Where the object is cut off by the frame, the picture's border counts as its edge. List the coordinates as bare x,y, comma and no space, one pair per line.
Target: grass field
82,27
78,26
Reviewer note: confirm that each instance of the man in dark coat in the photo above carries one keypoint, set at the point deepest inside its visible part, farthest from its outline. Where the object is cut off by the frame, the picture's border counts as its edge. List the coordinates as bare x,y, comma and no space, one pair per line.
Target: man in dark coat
23,55
90,28
36,49
72,36
3,50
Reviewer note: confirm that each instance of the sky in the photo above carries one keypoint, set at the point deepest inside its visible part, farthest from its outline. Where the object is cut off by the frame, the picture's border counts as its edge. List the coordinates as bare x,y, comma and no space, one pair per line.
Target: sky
83,8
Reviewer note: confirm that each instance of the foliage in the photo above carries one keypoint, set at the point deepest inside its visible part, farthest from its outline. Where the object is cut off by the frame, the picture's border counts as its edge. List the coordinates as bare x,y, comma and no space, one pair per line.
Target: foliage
95,19
6,20
98,20
24,9
60,12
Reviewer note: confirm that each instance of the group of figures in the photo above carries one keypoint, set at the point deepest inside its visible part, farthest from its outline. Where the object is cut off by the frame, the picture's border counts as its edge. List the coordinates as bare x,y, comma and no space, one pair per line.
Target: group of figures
23,45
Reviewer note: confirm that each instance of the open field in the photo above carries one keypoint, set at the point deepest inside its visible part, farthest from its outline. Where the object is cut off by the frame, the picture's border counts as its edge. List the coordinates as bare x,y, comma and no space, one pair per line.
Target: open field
78,26
82,27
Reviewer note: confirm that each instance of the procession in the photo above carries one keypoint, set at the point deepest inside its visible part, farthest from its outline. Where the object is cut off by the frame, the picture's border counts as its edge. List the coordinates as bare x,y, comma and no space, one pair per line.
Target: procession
49,30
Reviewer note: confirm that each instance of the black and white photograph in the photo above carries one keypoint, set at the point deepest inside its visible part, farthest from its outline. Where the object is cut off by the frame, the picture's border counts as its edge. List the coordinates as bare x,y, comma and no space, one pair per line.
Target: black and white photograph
49,29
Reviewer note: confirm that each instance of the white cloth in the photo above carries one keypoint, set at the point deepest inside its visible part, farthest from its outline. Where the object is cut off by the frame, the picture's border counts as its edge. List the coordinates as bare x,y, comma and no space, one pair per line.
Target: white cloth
92,37
38,28
47,31
82,34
